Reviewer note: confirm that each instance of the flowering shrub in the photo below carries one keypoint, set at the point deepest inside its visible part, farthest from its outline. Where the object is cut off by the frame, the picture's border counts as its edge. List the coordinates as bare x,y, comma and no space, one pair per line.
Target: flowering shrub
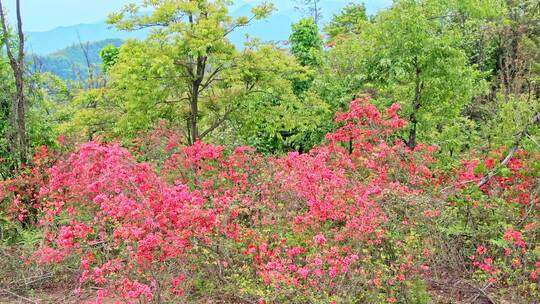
124,223
22,190
360,218
501,221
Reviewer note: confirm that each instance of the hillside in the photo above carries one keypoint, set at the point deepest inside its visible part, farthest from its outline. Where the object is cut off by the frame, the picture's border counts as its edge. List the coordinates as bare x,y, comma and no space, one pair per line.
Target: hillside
44,43
70,61
246,155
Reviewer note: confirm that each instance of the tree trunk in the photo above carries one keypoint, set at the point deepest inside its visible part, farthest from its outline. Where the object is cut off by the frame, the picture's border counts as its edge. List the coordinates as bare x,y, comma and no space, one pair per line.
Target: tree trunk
411,142
194,112
194,100
12,132
21,118
18,137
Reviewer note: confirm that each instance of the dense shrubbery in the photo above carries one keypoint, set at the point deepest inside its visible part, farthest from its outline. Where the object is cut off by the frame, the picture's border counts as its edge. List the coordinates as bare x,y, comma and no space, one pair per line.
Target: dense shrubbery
152,195
359,219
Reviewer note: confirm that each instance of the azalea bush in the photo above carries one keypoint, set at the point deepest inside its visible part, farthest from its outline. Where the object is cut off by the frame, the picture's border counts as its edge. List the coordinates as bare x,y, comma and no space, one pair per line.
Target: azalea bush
358,219
21,194
494,229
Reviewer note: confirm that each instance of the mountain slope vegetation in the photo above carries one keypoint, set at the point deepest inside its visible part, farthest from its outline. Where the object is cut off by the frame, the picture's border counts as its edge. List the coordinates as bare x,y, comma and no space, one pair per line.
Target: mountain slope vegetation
371,157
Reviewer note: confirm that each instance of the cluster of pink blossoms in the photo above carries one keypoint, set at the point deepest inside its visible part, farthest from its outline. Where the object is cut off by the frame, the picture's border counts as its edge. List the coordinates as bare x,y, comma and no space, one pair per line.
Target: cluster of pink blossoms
335,222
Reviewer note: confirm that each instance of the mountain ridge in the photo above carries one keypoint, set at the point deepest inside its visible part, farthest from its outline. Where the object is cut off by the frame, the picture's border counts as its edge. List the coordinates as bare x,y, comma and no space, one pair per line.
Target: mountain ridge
276,28
71,62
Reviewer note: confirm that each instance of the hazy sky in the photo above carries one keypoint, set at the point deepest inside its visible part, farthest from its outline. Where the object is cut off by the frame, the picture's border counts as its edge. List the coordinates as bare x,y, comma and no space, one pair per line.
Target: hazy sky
43,15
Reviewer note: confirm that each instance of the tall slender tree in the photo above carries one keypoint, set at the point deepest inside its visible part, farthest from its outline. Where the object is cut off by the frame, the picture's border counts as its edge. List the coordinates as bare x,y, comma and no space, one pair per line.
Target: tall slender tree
15,52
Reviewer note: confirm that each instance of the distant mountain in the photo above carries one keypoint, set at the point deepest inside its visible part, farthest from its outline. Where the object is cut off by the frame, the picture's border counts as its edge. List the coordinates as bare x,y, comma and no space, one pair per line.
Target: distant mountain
71,62
43,43
277,27
59,50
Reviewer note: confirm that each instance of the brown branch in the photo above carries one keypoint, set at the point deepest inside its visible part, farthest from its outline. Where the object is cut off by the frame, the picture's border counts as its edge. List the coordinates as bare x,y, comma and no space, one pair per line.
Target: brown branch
533,140
7,42
483,293
11,293
20,33
238,25
512,151
218,122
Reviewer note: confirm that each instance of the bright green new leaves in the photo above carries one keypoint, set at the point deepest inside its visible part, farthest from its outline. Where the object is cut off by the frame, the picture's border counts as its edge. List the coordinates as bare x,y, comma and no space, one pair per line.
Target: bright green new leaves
199,26
349,21
276,119
91,113
146,84
109,55
263,10
306,42
193,62
307,47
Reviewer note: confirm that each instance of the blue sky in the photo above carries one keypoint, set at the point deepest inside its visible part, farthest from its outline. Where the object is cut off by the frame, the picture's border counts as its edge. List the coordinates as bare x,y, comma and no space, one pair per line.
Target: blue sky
44,15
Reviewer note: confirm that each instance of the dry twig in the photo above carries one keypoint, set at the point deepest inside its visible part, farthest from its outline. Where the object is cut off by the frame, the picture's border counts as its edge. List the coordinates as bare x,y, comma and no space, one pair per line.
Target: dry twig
11,293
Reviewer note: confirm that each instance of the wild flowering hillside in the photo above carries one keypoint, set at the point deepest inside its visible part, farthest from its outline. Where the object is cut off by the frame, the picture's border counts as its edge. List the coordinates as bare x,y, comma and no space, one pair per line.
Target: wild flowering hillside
359,219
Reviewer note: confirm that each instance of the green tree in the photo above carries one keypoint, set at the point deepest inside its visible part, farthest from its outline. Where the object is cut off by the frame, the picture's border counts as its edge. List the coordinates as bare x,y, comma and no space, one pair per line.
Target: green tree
410,53
244,96
514,66
277,119
48,97
109,56
350,21
6,97
307,47
342,75
199,50
306,42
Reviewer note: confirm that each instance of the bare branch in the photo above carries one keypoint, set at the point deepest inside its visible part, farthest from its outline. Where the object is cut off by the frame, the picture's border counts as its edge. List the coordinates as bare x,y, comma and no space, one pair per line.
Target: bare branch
533,140
11,293
238,25
512,151
21,34
218,122
7,41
